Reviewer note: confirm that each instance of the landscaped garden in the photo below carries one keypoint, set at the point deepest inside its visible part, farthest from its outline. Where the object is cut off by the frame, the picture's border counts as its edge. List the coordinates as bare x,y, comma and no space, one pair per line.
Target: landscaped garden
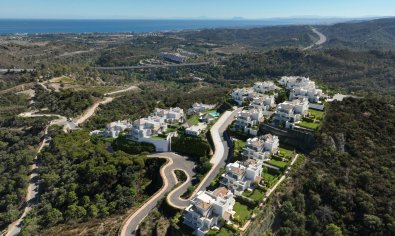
256,195
194,120
270,176
221,232
313,121
243,212
286,152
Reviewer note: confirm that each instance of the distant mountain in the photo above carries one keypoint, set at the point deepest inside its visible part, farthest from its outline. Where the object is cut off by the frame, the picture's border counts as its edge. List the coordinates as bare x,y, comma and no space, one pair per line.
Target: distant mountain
373,34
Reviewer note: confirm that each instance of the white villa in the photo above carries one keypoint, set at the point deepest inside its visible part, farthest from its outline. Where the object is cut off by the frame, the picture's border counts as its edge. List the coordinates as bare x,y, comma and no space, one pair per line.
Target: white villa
264,87
248,121
148,129
196,130
263,102
240,176
207,208
242,95
113,129
260,148
301,87
172,115
199,107
291,111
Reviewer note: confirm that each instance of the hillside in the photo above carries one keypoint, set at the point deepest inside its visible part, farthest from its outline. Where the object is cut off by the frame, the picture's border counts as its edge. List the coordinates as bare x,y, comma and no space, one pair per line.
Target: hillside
347,184
365,35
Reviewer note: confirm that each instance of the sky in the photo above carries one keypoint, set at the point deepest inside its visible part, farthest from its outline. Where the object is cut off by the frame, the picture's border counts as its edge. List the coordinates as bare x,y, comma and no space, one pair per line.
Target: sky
204,9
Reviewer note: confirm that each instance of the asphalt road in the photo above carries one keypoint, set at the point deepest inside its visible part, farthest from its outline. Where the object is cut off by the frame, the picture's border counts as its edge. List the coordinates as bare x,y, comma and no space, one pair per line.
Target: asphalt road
320,41
175,161
152,66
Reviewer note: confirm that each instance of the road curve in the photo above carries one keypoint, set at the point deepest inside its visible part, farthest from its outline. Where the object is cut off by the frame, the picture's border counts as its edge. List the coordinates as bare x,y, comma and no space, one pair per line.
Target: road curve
174,199
320,41
174,162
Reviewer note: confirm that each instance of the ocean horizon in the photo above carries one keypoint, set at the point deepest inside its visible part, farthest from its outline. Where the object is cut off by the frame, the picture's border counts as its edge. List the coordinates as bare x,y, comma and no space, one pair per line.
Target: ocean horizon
43,26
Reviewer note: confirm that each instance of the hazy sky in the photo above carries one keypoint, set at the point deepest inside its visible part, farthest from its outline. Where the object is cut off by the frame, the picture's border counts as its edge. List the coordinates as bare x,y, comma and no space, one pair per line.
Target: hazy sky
216,9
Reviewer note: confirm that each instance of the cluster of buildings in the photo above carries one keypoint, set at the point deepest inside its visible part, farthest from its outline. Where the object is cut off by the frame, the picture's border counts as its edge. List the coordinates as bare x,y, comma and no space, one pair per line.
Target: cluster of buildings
180,56
208,208
257,100
301,87
161,125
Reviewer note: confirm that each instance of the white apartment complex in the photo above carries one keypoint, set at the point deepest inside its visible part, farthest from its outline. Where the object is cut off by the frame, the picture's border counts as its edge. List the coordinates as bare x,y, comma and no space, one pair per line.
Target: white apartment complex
198,108
207,208
301,87
291,111
263,102
242,95
146,129
113,129
260,148
248,121
175,57
240,176
264,87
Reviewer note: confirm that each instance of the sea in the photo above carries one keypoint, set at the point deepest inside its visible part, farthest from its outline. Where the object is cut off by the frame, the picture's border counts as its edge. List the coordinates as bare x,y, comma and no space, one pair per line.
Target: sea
8,26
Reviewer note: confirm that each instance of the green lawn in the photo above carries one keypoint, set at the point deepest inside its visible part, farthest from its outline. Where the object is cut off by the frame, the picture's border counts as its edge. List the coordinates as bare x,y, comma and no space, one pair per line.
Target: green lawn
243,213
157,138
222,232
193,120
316,113
255,195
269,178
286,152
279,164
238,146
309,125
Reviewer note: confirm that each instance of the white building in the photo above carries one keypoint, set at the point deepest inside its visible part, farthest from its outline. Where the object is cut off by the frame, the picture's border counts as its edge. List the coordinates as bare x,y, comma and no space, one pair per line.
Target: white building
264,87
172,115
240,176
207,208
196,130
148,129
263,102
248,121
113,129
301,87
260,148
199,107
291,111
242,95
175,57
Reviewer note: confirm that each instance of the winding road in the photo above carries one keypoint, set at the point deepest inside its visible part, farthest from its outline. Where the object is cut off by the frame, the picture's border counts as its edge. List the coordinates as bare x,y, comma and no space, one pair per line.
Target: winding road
320,41
176,162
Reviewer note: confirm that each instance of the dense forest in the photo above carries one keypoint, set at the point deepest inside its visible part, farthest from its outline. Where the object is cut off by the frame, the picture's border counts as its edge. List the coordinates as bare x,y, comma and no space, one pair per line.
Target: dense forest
81,180
363,72
361,35
66,102
347,185
17,150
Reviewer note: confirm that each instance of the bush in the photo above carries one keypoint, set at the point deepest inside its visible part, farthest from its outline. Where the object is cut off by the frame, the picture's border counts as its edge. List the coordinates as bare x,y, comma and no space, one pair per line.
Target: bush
190,146
132,147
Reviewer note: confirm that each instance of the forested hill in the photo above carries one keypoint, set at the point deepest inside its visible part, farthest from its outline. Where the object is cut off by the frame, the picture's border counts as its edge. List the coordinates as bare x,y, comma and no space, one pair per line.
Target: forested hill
373,34
363,72
347,185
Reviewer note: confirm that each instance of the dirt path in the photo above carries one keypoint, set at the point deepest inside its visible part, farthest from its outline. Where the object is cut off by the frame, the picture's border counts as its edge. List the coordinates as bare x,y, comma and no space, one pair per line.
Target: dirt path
32,192
91,110
133,87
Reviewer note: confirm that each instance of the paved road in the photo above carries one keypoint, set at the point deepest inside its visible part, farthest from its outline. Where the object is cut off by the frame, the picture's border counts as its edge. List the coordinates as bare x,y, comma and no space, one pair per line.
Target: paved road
174,162
152,66
320,41
221,148
32,193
